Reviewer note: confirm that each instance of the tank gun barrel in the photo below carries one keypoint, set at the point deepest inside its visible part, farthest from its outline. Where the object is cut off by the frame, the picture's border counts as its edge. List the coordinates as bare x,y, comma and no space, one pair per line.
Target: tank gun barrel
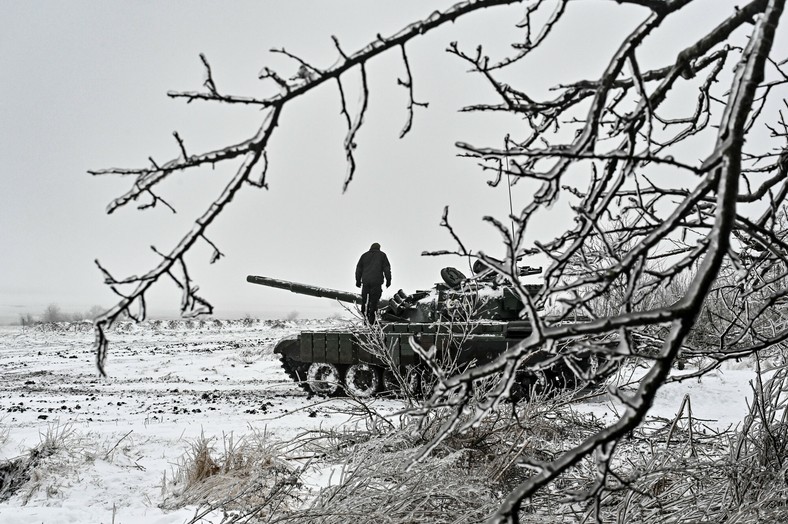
529,270
304,289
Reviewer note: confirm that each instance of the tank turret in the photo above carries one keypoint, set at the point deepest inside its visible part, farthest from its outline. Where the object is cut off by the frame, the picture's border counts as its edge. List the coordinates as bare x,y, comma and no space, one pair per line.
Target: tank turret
482,296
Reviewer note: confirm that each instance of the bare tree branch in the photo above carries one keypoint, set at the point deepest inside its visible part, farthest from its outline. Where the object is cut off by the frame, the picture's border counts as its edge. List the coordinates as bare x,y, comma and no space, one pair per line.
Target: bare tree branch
679,245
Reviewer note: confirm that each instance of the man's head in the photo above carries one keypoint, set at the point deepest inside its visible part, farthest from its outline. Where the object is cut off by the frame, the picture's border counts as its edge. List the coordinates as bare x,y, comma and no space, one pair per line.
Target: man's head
375,246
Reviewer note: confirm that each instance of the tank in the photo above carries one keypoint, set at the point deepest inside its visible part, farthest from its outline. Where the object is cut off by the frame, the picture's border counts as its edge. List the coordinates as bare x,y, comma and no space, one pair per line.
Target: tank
457,323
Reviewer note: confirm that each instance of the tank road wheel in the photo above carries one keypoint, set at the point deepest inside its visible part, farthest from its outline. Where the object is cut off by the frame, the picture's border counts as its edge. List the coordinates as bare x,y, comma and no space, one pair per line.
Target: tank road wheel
296,371
324,379
362,380
561,377
390,384
411,379
414,381
528,382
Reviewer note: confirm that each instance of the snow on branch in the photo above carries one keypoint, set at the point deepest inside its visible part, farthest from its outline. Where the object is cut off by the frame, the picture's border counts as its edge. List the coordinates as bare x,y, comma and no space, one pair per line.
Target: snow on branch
676,251
252,151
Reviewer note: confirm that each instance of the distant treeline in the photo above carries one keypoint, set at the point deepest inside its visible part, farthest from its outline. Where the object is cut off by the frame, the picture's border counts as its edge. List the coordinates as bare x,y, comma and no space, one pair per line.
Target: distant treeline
53,313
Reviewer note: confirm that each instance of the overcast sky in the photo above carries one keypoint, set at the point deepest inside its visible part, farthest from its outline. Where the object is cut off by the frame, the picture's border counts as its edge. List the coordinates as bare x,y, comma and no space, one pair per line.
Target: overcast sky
83,86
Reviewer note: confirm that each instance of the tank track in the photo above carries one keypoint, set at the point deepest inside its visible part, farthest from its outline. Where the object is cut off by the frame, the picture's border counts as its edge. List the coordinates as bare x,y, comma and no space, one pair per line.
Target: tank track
560,376
297,372
556,378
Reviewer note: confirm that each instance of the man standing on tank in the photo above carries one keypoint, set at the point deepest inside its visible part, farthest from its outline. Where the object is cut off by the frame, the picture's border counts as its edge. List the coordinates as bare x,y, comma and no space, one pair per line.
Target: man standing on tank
372,268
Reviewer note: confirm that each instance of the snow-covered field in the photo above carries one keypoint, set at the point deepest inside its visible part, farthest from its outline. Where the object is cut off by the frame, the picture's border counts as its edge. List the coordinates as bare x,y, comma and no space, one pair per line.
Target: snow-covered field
170,382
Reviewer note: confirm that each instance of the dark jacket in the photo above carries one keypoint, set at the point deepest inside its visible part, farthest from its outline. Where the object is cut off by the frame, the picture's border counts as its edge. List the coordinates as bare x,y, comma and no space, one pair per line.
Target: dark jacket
372,267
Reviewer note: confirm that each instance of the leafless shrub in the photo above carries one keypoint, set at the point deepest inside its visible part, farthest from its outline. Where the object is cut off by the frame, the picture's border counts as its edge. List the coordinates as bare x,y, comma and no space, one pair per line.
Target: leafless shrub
27,474
26,319
681,471
94,312
53,313
757,465
666,470
5,431
698,187
379,488
376,477
249,356
249,473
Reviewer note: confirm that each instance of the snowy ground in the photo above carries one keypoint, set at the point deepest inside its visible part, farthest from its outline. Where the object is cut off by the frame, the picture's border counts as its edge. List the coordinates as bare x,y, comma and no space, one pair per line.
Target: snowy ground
169,383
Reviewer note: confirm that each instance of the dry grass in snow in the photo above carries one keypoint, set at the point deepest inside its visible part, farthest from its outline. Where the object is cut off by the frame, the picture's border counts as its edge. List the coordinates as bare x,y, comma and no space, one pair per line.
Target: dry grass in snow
200,424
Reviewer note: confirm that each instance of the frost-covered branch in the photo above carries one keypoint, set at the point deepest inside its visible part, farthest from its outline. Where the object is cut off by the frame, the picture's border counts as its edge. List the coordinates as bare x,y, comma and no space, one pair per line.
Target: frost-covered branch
679,245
